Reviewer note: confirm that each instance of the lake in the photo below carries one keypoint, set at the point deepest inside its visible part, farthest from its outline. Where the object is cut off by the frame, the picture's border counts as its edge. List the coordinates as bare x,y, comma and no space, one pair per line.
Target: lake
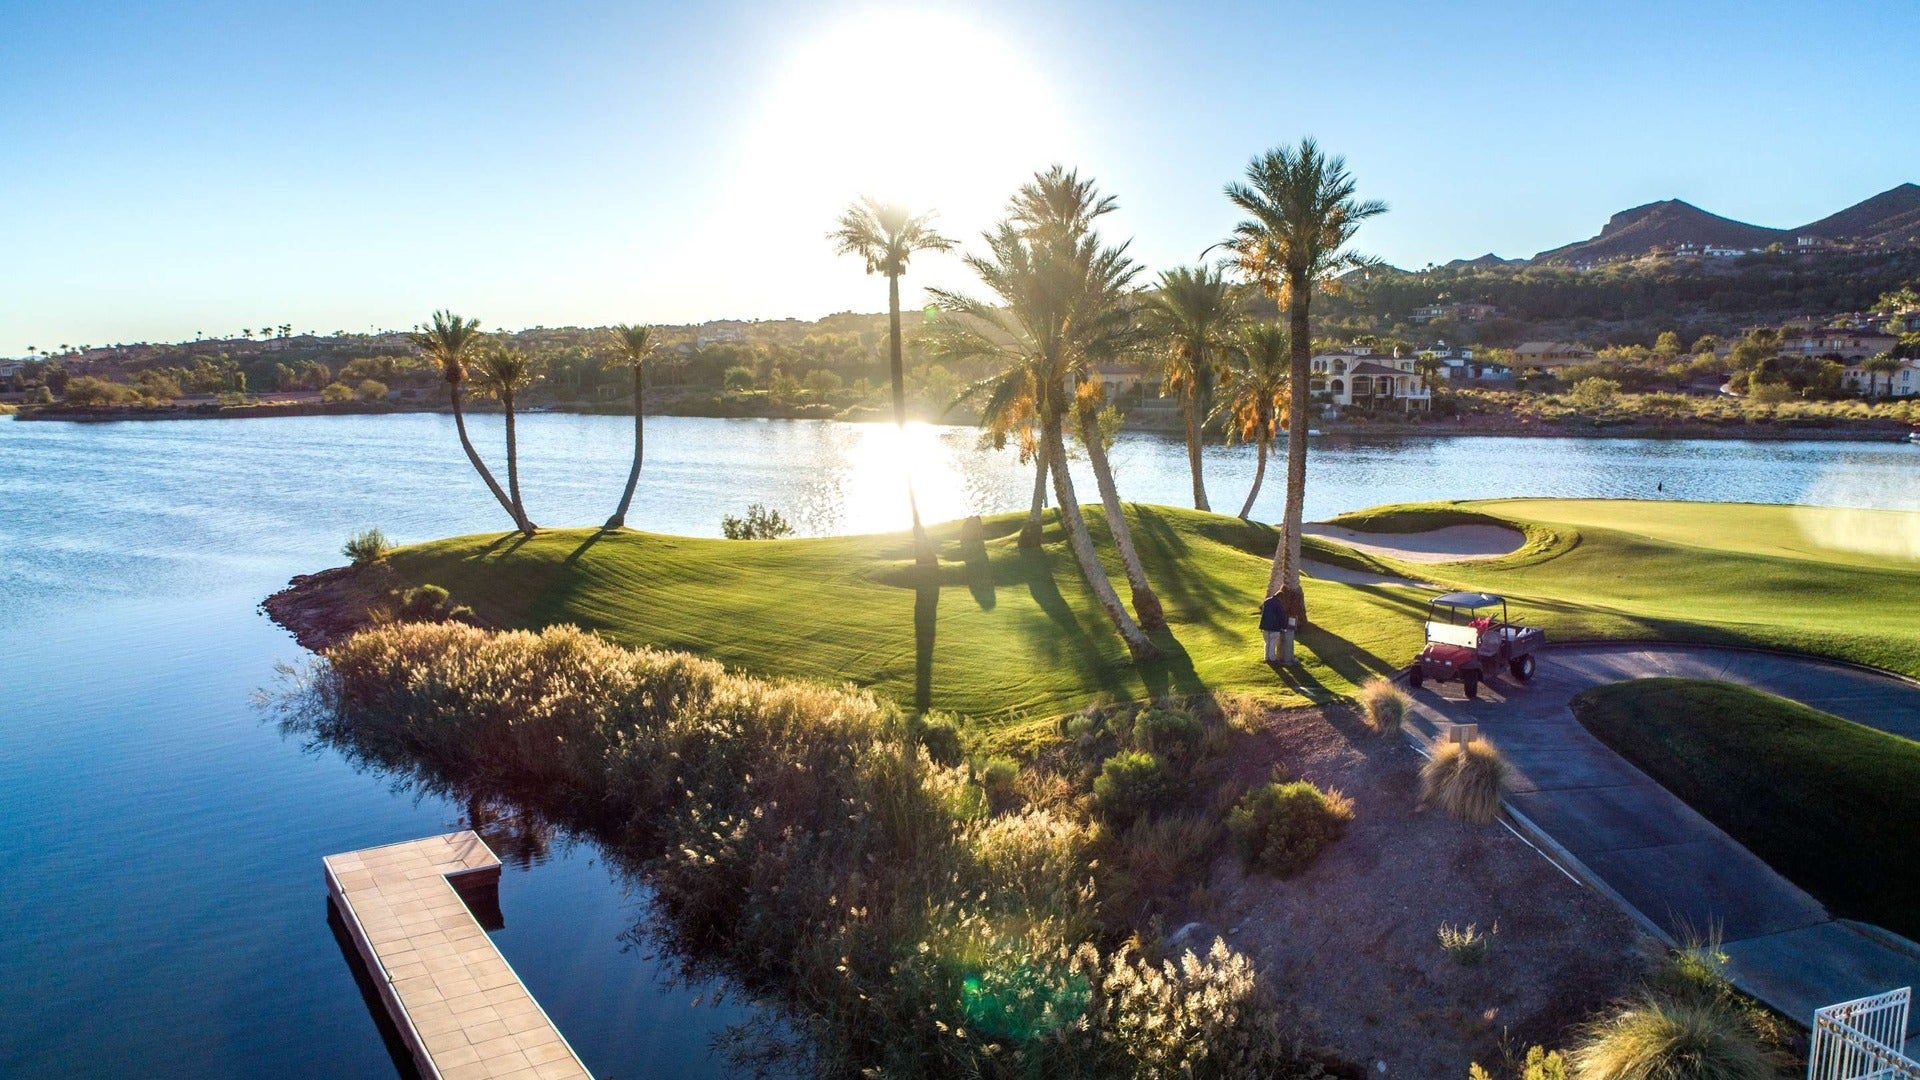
162,910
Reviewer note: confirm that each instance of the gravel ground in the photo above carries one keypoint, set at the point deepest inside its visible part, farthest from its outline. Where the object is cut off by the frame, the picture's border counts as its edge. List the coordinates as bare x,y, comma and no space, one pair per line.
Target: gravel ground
1353,941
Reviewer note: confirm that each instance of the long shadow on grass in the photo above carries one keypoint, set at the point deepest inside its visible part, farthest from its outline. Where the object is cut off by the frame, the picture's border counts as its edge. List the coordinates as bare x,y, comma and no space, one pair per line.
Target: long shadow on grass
926,621
1198,597
1349,661
586,545
978,565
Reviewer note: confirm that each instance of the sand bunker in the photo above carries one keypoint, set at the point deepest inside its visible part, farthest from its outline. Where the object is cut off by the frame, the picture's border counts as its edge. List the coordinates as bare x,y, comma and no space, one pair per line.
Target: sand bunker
1455,543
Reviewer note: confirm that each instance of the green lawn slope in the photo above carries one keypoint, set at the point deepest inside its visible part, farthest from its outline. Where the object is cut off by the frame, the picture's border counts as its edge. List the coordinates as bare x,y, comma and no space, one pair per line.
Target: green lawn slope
1834,583
996,632
1827,802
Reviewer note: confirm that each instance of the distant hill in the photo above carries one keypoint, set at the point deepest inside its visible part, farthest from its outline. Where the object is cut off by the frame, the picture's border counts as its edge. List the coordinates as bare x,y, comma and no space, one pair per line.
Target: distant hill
1891,217
1484,261
1662,224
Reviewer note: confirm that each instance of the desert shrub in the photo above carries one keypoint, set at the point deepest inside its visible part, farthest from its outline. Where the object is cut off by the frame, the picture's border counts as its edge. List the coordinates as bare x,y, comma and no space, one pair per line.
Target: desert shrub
1383,705
1465,781
1242,711
1199,1017
1539,1064
366,546
1769,393
997,778
1133,783
1154,855
1594,393
1282,828
336,392
760,523
737,377
1468,945
424,603
1654,1038
940,736
371,390
1169,734
88,390
1035,860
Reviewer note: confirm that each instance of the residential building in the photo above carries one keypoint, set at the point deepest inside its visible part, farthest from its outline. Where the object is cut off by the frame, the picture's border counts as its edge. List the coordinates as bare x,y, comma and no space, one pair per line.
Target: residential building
1458,312
1360,378
1547,355
1902,383
1847,343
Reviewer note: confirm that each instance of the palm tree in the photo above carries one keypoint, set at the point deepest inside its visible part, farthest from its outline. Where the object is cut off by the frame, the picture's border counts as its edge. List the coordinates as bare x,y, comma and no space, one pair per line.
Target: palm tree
1254,392
503,372
1883,364
1009,412
1057,209
887,235
1301,214
1428,365
451,341
634,343
1049,306
1191,312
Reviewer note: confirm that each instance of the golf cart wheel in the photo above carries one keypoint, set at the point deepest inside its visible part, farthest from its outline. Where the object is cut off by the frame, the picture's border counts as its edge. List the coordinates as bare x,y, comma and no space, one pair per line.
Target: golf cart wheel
1471,680
1522,668
1416,677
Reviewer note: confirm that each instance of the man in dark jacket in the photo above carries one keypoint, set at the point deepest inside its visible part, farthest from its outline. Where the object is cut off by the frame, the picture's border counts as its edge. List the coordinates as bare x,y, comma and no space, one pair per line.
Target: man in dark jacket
1274,624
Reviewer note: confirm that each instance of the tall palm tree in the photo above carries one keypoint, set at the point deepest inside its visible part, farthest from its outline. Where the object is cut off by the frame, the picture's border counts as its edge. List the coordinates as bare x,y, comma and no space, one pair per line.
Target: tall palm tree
887,235
1883,364
1191,312
451,342
503,372
1254,392
1301,213
1050,304
1058,210
1010,413
633,343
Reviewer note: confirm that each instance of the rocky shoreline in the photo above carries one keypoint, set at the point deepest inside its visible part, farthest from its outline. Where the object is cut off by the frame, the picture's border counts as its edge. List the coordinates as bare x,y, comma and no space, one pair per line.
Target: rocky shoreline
328,607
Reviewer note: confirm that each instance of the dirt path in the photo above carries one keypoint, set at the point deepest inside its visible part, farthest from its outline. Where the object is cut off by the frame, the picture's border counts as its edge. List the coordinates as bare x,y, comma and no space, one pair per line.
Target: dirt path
1662,861
1455,543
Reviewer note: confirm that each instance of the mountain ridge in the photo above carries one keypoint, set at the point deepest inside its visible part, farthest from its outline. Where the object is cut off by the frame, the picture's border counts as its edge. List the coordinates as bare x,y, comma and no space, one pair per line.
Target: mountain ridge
1891,217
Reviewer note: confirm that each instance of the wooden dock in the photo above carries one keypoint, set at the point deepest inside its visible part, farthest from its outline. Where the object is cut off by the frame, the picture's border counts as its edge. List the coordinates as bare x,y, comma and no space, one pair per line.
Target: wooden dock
459,1007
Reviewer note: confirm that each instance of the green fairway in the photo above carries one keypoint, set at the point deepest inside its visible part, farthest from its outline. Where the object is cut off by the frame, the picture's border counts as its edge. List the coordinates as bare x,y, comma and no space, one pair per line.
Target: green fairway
1828,803
1723,573
996,632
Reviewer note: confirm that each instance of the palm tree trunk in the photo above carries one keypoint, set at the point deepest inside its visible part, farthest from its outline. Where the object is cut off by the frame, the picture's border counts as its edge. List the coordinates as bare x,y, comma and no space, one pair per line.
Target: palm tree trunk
1030,532
1259,474
1139,646
923,552
513,469
1145,604
1286,560
619,517
473,456
1189,406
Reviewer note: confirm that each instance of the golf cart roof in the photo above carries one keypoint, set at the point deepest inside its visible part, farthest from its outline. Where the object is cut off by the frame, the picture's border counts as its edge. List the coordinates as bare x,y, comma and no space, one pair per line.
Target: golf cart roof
1468,600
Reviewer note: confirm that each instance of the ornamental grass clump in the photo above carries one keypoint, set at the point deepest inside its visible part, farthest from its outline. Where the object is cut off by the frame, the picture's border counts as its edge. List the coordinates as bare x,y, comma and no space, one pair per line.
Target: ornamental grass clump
1655,1038
1383,705
1465,780
1282,828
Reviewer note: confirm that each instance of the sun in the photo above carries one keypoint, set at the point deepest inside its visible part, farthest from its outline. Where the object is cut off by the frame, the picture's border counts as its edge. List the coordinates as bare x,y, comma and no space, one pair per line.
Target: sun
927,109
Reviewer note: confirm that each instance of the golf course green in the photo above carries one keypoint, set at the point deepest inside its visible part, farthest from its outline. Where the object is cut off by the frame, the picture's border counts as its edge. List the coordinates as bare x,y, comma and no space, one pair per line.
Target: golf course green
998,632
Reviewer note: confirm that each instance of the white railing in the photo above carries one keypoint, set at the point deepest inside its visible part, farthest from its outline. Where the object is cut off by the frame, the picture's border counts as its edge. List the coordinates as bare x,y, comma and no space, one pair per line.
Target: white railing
1863,1040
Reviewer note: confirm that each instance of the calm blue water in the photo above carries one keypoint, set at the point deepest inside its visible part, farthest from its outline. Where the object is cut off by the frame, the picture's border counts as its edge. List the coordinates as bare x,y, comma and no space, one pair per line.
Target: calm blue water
162,911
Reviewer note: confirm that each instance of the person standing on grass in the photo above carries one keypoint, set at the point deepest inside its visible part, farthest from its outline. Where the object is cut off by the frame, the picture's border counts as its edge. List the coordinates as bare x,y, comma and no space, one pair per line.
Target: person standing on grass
1273,624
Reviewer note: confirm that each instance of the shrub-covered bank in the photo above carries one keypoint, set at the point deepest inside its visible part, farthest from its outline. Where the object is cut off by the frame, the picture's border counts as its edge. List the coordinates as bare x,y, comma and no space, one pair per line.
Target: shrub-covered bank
914,918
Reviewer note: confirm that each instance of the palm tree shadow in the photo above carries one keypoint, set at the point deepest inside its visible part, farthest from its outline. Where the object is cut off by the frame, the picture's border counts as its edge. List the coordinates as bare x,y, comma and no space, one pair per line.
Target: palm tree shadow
926,614
979,567
593,538
506,544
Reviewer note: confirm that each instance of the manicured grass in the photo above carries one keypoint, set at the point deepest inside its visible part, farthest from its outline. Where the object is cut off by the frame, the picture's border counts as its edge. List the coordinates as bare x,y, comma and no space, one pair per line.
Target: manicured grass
1827,802
1800,579
997,632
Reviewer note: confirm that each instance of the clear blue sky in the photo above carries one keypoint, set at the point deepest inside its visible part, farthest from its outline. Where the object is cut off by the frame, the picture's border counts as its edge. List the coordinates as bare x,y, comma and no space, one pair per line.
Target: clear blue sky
172,167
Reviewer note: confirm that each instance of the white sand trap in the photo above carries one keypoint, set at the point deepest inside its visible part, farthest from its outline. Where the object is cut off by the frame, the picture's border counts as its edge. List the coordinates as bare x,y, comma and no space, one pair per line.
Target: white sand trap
1455,543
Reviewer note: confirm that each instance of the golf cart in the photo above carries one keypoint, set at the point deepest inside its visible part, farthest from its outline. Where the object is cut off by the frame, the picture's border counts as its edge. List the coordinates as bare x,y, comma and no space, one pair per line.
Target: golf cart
1465,642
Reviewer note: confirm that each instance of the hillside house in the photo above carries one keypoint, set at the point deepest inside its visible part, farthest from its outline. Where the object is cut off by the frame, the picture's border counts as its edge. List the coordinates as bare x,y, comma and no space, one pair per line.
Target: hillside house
1458,312
1359,378
1547,355
1902,383
1847,343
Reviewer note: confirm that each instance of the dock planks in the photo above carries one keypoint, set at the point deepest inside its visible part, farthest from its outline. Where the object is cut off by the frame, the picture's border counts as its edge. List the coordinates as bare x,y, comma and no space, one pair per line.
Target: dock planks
460,1008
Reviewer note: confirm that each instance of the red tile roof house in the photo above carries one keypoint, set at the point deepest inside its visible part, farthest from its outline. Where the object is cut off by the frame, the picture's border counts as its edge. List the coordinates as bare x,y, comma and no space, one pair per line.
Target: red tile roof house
1545,355
1359,378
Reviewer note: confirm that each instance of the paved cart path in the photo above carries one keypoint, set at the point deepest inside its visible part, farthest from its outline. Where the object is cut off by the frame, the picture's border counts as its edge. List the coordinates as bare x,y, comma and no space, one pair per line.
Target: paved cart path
1662,860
